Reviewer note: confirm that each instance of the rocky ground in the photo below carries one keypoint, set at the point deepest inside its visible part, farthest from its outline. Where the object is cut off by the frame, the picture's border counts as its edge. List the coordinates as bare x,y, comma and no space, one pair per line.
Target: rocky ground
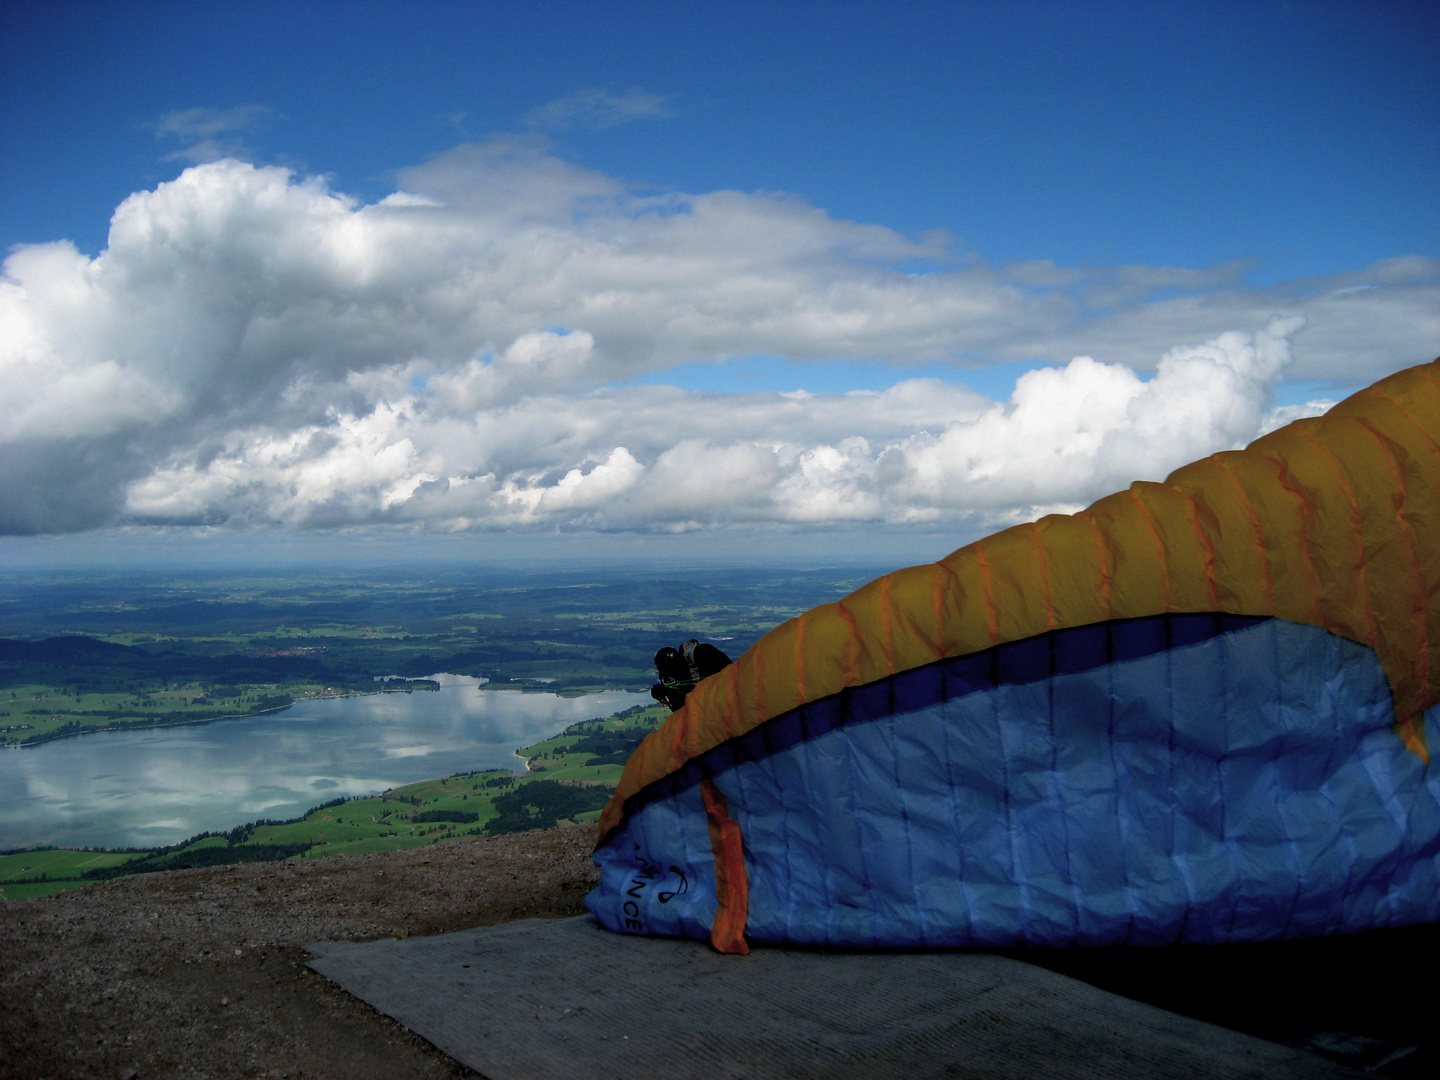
201,973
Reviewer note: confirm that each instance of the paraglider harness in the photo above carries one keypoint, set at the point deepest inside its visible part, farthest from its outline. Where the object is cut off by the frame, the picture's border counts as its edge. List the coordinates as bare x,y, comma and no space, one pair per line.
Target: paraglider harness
680,669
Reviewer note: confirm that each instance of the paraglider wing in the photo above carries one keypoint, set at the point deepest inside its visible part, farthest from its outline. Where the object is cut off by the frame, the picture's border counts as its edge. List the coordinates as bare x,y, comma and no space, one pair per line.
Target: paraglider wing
1197,711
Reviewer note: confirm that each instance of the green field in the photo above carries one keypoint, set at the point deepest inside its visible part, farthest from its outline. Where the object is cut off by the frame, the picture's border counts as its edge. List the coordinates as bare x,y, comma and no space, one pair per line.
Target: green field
570,778
57,863
32,713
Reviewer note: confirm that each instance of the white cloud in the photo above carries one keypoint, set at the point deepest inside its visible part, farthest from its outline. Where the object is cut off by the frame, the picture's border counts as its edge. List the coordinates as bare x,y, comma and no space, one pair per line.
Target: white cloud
598,109
584,490
257,348
206,123
1072,434
1287,414
210,134
648,457
1359,325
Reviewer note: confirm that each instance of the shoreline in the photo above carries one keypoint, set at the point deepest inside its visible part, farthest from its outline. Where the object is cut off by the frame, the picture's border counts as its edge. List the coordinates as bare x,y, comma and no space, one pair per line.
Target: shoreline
139,724
523,772
484,683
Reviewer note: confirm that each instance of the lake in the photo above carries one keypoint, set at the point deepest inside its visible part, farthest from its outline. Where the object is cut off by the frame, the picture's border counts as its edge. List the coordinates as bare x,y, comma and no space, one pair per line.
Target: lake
156,786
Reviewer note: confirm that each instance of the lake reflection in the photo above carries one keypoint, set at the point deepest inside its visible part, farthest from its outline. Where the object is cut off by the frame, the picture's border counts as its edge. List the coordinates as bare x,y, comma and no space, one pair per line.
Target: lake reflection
159,785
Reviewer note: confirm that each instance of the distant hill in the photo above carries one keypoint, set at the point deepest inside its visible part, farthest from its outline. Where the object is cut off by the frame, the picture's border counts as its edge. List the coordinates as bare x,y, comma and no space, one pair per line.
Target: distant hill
76,660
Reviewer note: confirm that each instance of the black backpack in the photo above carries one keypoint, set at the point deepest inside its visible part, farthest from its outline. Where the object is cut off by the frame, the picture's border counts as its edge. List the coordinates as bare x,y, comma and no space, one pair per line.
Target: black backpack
680,669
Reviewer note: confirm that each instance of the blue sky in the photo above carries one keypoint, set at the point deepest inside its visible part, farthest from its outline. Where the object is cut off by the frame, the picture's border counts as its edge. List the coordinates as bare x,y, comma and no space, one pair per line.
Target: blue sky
917,202
1168,134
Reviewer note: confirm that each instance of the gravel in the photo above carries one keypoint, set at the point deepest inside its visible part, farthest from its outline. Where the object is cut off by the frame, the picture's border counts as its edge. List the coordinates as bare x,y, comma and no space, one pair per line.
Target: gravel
201,973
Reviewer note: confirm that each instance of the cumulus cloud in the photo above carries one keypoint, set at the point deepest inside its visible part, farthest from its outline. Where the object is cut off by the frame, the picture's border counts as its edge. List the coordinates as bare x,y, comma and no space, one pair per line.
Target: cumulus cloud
1073,433
664,458
257,348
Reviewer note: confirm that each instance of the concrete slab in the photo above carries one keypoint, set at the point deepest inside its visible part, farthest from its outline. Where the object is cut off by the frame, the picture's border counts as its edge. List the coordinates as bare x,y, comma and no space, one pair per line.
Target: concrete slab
566,1000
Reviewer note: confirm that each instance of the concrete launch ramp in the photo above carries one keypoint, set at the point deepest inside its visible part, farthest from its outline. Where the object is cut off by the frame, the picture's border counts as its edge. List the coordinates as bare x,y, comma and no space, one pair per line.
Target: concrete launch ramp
566,1000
